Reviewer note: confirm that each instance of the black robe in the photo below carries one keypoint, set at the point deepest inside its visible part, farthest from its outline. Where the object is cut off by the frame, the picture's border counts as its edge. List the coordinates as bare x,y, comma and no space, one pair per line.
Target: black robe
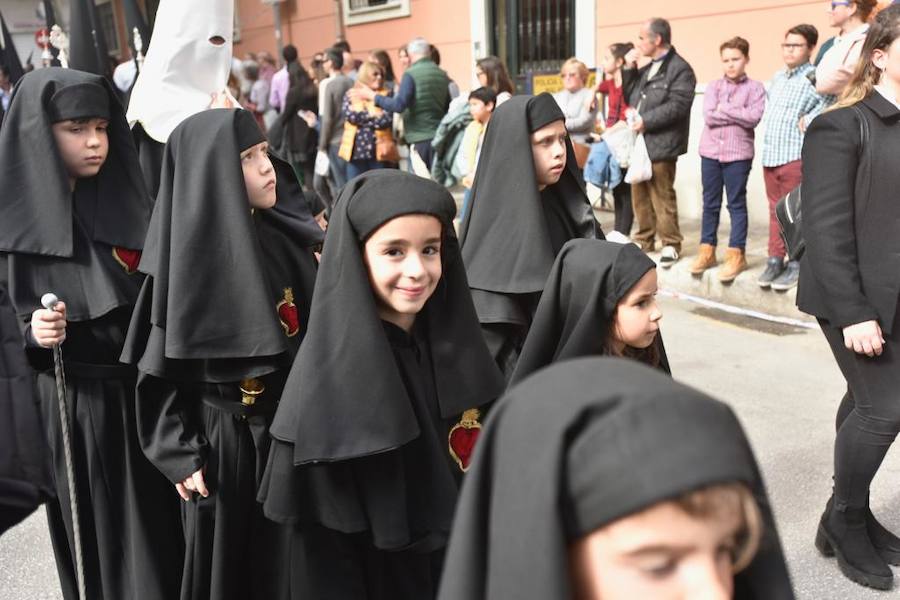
84,248
25,480
577,446
513,232
193,412
150,155
361,463
576,310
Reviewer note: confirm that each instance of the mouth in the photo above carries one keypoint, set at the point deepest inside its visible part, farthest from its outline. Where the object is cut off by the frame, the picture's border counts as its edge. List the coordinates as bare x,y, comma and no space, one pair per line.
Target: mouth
411,292
94,160
269,184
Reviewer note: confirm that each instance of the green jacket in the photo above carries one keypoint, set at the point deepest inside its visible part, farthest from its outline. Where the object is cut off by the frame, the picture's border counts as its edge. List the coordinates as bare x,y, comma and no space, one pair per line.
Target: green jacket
422,116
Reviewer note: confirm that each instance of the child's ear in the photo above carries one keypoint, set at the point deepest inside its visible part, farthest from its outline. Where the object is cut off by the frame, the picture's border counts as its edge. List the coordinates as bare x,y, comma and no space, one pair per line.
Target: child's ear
490,106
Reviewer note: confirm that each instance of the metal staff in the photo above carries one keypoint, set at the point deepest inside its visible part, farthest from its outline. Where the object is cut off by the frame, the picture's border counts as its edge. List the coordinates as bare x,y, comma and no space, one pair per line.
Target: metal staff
49,301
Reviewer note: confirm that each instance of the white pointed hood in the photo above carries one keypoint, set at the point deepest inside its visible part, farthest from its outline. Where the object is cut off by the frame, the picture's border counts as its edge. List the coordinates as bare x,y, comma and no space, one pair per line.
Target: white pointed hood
183,68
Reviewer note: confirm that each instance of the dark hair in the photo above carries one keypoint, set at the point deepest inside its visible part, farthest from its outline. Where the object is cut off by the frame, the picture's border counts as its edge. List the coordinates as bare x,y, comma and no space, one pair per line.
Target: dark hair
885,29
620,49
342,45
809,33
336,56
289,53
661,29
649,355
385,61
497,75
434,54
297,75
736,43
485,94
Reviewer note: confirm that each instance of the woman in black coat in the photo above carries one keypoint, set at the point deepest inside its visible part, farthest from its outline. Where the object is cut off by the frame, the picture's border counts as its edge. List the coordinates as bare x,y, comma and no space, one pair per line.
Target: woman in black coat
850,280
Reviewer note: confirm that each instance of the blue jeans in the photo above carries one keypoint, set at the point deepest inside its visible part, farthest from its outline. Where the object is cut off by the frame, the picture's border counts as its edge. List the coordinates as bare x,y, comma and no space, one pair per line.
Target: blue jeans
358,167
733,177
467,200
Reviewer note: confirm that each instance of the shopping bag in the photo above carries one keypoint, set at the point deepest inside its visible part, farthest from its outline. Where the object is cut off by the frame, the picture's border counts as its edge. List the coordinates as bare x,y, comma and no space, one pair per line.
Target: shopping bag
639,166
620,139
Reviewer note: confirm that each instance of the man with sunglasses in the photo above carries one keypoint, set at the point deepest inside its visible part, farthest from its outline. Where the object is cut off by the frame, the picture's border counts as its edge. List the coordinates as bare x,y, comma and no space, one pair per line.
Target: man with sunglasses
792,104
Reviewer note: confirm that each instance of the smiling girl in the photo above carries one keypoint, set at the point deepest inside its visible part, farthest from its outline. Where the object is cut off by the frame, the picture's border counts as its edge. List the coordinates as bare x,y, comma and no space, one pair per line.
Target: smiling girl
381,409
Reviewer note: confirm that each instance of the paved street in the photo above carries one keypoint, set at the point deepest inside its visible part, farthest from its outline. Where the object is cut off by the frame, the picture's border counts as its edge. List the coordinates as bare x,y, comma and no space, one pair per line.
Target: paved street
781,381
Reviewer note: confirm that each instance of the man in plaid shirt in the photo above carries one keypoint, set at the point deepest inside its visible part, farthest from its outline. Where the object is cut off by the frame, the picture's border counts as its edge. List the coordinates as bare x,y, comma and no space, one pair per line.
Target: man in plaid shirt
792,104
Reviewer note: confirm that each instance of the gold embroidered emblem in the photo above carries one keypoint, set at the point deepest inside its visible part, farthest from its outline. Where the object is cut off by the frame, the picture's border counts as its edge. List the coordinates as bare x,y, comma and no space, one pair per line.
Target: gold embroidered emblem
463,436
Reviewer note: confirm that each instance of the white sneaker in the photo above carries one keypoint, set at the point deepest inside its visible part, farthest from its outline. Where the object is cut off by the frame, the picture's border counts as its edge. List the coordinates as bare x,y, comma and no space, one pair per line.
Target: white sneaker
617,237
668,257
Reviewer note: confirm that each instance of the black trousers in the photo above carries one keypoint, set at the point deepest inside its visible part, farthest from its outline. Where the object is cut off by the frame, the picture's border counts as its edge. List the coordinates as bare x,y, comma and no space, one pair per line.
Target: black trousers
869,417
623,209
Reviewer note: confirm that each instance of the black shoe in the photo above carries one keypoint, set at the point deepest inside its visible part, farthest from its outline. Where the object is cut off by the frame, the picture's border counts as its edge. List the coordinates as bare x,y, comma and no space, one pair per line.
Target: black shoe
774,268
843,534
788,277
886,543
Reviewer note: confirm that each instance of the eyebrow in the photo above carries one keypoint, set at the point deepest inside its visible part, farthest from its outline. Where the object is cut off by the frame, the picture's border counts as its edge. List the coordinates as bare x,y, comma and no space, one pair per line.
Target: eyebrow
405,242
658,549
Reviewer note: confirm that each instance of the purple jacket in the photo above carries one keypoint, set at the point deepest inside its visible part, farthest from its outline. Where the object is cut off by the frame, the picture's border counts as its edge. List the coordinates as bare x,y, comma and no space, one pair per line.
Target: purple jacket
731,109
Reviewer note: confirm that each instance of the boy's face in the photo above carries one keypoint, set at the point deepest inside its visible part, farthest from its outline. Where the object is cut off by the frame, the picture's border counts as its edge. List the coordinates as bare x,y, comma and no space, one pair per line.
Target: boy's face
259,176
548,148
480,111
795,50
734,63
83,145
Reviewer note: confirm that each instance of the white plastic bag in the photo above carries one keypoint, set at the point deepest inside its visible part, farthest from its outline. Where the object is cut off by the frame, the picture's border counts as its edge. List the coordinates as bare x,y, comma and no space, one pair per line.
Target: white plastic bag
639,166
322,164
620,140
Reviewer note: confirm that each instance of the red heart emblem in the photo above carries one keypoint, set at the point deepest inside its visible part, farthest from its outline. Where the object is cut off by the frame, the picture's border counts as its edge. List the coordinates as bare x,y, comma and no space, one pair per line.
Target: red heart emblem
462,444
129,259
287,313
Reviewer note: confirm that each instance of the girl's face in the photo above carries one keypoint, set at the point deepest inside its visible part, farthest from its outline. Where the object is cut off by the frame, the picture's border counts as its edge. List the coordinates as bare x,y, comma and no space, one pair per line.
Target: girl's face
404,261
482,76
888,62
404,58
548,149
637,314
661,552
83,146
610,63
259,176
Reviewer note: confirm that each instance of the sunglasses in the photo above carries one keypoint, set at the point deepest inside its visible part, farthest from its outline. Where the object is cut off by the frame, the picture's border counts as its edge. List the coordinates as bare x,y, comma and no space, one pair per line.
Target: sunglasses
837,3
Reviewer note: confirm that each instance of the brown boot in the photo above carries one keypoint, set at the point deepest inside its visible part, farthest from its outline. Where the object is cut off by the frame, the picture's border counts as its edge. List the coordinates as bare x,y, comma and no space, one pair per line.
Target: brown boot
706,259
735,262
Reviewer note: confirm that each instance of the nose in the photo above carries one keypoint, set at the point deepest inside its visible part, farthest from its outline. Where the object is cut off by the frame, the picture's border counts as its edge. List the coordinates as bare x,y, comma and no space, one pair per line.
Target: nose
413,267
265,165
93,140
559,149
656,313
708,582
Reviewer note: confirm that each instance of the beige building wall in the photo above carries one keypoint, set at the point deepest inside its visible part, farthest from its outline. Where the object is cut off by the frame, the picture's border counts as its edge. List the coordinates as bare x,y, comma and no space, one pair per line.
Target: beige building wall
310,26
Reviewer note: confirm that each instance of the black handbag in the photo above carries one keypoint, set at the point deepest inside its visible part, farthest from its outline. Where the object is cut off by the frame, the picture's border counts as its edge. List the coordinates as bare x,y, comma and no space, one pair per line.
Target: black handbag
788,210
788,213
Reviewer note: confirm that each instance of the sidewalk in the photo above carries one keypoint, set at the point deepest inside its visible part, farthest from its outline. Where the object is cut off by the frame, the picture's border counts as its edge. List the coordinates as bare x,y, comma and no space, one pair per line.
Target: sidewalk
743,292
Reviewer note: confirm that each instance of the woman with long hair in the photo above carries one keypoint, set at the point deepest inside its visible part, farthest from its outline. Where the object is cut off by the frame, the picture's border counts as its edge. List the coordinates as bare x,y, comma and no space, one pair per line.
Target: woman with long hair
492,73
387,67
367,142
850,280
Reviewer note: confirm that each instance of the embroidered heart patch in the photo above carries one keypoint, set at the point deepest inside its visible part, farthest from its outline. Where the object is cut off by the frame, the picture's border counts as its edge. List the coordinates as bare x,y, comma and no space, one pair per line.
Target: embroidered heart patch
129,259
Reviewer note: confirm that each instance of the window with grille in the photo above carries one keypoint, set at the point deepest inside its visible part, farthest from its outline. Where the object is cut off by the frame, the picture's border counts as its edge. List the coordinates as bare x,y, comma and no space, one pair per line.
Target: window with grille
366,11
533,36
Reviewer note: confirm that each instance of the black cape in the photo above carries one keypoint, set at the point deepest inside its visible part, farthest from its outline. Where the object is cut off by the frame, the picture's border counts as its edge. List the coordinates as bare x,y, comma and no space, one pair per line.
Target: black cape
84,247
226,299
9,57
512,232
87,42
367,411
24,460
87,247
577,446
587,281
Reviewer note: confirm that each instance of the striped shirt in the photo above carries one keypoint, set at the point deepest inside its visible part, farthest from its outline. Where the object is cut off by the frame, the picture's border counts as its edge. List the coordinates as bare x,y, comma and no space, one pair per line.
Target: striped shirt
792,96
732,109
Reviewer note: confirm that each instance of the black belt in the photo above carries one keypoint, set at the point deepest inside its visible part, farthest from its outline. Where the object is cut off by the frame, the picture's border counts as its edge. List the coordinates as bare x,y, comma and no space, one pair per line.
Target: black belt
92,371
240,409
